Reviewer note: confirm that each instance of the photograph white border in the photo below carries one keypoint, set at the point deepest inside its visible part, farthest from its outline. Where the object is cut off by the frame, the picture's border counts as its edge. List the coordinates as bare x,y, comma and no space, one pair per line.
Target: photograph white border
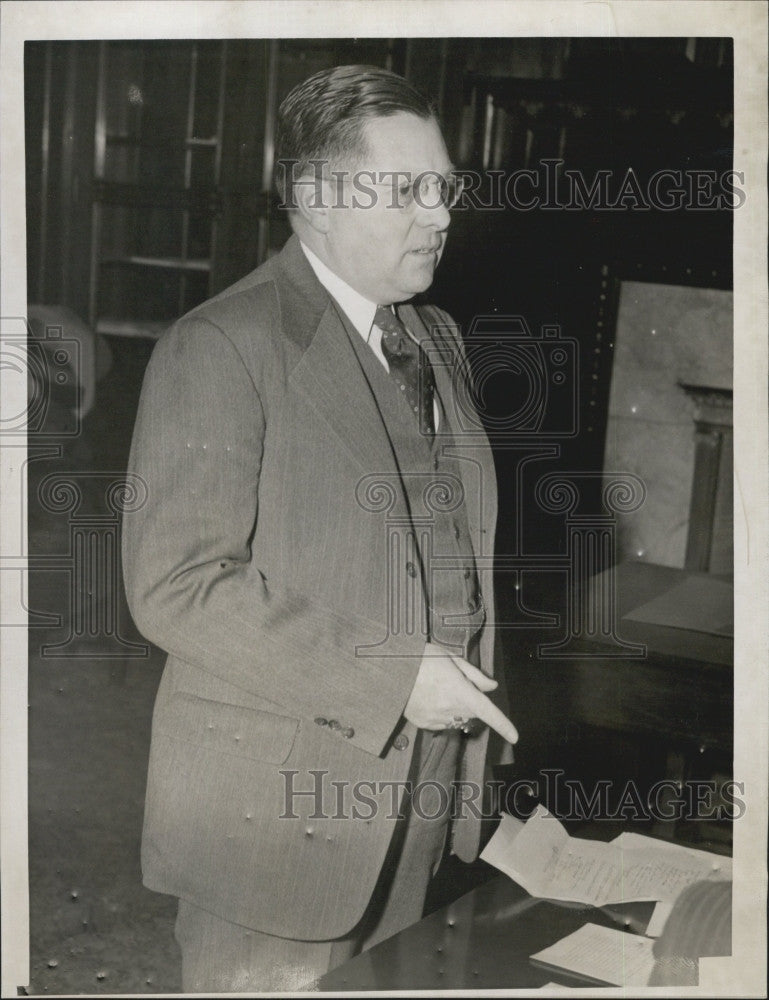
744,974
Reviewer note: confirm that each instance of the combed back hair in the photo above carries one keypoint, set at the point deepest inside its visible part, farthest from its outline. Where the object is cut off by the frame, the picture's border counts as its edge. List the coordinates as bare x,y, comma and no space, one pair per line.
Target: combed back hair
323,117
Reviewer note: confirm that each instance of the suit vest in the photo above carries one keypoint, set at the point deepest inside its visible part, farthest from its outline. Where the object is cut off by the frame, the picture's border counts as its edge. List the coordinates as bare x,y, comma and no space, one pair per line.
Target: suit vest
434,584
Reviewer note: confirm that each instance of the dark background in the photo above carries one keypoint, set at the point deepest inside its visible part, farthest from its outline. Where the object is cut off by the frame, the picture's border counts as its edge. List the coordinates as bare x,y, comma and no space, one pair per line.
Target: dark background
112,178
131,220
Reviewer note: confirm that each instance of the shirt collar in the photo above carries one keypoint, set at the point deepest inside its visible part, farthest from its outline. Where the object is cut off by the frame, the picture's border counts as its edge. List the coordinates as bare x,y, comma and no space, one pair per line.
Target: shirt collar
358,309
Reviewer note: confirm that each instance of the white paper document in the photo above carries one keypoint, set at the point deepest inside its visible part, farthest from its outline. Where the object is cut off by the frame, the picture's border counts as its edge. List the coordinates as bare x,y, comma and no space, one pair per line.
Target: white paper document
722,868
601,955
721,865
658,919
548,863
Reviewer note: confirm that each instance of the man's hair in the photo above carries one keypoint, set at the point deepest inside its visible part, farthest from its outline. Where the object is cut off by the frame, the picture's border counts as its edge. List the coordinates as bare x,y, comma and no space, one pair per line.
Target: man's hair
323,117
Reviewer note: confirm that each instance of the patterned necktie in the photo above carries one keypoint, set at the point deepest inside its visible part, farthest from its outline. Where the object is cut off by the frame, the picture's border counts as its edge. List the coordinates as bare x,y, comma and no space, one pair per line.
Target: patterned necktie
409,366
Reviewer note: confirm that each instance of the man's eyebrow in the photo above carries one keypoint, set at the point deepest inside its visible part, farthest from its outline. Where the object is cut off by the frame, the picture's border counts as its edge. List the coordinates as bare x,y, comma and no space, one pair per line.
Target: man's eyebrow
450,169
407,176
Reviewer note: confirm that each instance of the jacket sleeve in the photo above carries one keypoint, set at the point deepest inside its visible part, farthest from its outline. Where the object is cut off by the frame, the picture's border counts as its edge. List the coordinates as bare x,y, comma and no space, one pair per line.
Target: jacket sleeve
193,583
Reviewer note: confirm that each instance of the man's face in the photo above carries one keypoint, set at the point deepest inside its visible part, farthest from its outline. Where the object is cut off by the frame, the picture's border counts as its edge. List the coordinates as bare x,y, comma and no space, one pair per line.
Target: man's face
388,251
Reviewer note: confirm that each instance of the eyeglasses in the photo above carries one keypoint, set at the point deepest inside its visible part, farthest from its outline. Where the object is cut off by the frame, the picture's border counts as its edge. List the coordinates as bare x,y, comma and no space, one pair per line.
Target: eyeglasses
427,190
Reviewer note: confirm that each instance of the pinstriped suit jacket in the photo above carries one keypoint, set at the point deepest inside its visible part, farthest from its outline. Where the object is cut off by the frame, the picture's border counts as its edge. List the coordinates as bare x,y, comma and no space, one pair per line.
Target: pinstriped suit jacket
254,567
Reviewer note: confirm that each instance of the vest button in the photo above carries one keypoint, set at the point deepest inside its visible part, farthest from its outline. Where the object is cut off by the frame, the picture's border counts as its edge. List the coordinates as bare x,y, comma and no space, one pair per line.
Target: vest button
401,742
320,721
348,733
411,569
333,724
436,463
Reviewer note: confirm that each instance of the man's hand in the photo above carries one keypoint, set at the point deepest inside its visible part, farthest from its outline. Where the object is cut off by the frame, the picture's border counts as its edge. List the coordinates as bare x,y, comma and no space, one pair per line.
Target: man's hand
449,688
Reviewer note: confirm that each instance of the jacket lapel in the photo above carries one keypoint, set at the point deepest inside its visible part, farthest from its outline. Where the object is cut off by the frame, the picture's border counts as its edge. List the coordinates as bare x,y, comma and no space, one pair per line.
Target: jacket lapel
328,372
330,376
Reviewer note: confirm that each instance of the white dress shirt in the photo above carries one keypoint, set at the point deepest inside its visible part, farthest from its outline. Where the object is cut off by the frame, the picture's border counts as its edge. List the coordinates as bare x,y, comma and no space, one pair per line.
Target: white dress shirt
359,310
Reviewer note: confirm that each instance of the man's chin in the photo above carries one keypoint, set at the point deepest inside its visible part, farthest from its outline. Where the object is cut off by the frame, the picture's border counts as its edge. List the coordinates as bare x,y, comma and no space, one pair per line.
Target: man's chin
421,281
404,295
414,281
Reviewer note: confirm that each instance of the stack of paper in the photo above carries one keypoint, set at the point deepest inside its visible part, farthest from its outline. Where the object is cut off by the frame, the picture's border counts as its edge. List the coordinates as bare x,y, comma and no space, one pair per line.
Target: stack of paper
602,956
548,863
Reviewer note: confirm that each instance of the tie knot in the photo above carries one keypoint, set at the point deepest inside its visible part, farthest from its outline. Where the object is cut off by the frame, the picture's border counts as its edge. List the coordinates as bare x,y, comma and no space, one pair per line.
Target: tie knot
386,319
395,338
408,366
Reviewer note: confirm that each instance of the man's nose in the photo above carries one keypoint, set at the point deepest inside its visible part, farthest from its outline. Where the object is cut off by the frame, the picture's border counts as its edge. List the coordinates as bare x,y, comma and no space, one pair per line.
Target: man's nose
434,216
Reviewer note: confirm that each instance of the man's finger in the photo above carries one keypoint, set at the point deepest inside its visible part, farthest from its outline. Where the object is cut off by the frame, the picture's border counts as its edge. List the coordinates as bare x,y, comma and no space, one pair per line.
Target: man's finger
476,677
488,712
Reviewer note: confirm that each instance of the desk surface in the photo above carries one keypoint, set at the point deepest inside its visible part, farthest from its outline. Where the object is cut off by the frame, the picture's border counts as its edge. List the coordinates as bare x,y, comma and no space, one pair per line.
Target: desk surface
680,691
482,941
639,582
631,585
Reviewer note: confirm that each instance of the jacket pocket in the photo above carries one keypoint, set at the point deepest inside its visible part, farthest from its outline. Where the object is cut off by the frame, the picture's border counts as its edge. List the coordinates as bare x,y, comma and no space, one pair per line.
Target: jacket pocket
231,729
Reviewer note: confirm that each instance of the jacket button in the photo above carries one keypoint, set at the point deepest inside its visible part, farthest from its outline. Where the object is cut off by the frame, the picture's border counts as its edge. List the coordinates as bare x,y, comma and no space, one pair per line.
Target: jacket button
320,721
456,531
333,724
436,463
348,733
401,742
411,569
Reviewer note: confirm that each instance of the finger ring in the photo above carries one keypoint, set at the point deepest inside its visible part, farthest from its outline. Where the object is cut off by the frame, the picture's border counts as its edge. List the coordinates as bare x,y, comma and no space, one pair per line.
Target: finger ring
457,722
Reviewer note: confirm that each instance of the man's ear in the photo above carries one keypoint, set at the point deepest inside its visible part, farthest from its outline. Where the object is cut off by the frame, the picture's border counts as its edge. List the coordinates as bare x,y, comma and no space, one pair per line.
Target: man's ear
313,198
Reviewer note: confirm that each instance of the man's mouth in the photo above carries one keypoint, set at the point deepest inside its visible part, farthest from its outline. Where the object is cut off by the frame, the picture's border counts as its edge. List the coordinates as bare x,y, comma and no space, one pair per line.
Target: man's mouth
427,250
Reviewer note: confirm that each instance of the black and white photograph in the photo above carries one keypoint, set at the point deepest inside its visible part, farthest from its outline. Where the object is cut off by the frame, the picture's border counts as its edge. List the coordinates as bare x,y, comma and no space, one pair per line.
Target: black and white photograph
384,454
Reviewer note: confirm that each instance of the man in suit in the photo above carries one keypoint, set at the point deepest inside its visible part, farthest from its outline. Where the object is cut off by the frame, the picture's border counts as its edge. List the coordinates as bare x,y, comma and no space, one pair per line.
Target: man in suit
314,556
